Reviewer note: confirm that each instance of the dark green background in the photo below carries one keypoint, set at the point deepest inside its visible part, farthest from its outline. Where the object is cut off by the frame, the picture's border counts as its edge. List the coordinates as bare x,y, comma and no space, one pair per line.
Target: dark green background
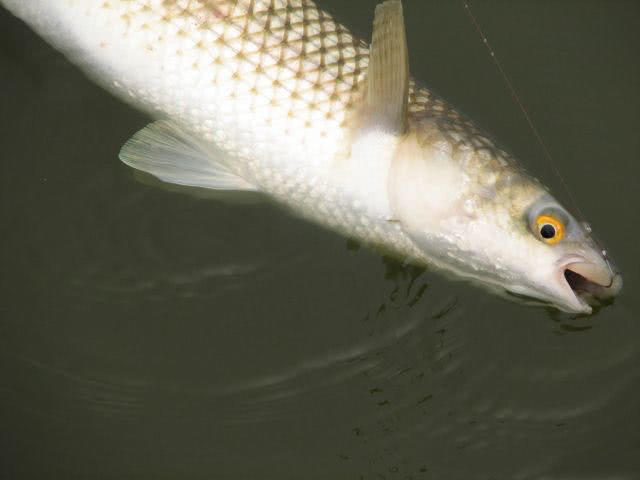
148,334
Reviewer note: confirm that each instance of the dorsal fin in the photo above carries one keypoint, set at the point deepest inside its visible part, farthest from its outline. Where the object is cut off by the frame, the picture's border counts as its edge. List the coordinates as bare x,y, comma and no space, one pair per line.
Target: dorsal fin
387,83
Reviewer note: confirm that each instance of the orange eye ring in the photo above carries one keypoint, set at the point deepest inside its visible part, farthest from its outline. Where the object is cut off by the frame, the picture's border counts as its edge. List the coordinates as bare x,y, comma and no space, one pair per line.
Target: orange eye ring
550,229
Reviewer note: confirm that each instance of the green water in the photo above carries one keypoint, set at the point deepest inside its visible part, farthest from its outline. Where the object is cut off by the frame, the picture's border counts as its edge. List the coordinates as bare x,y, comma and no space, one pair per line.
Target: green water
148,334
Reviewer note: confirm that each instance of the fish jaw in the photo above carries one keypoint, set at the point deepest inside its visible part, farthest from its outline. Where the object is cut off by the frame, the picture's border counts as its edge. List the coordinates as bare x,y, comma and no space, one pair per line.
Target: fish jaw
561,285
586,283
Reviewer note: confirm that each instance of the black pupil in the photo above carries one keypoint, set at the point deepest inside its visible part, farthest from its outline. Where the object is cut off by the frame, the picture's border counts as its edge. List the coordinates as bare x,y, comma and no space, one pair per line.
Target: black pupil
548,231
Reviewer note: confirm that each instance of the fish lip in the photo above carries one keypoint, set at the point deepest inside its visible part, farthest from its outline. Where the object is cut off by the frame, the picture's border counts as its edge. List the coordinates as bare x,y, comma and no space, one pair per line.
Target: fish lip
589,283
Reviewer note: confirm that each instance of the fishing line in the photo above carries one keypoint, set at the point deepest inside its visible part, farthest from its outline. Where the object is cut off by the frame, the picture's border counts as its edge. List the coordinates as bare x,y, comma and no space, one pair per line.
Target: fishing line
516,97
543,145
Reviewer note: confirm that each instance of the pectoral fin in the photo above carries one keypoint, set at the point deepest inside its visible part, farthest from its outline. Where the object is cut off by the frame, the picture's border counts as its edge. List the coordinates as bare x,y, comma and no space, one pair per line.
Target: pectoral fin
385,101
172,155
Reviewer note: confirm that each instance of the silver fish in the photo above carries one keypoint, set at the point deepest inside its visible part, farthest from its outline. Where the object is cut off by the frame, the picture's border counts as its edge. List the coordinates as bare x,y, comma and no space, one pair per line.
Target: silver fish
275,96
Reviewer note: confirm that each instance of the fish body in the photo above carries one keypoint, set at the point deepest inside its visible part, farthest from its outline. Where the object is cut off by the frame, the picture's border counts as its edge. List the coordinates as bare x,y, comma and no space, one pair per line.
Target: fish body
276,96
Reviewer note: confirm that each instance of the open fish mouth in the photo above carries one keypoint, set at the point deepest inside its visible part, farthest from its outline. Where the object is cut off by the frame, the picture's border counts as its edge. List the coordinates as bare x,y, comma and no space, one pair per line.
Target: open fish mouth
592,284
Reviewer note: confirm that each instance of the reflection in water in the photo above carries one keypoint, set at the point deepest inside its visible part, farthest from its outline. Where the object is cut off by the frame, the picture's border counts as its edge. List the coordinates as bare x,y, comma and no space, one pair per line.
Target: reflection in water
250,339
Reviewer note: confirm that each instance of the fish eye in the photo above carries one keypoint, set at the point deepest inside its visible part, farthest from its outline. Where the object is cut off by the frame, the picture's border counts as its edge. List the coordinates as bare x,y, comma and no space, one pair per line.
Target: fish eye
550,228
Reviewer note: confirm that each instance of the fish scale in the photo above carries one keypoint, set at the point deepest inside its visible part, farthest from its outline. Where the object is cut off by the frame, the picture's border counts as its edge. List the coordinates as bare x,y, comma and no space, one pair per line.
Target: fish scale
276,96
301,71
272,83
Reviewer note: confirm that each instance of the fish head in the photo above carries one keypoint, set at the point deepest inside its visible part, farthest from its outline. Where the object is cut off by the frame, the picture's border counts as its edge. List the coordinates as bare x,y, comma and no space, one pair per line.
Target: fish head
568,268
487,220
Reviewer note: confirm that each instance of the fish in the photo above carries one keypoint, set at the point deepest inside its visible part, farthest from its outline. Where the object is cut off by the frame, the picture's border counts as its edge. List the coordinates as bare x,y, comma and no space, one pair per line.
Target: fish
277,97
